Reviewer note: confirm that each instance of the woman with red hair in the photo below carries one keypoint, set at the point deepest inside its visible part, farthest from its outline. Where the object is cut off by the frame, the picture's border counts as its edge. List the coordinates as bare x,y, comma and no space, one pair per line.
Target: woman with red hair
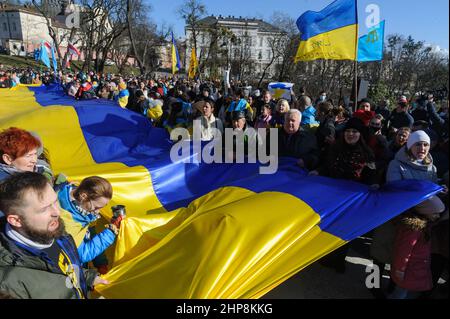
18,151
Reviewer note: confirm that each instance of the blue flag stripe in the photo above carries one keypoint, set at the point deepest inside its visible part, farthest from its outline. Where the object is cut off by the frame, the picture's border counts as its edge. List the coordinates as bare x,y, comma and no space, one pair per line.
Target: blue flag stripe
336,15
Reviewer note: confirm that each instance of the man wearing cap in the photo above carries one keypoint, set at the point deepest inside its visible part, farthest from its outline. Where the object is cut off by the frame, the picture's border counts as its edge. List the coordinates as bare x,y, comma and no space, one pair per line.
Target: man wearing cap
294,141
245,134
400,117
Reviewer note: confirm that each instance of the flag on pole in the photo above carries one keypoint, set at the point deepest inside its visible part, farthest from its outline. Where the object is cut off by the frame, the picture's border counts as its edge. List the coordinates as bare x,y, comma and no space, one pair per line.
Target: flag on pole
370,46
176,64
55,64
73,50
329,34
193,64
43,55
68,61
48,45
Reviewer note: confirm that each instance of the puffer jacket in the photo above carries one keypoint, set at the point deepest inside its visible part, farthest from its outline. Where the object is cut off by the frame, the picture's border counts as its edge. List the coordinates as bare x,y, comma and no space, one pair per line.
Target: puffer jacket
412,255
402,167
26,273
93,244
309,116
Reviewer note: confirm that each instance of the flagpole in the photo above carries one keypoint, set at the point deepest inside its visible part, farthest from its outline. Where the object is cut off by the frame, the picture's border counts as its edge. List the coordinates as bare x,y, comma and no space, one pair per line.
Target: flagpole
356,86
356,57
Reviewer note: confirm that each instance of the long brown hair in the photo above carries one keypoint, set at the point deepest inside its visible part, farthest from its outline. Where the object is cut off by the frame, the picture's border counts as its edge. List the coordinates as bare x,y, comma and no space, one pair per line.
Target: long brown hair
94,187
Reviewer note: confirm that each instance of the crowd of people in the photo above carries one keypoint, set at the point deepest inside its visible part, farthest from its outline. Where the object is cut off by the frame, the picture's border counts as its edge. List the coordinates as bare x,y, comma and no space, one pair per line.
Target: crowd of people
373,144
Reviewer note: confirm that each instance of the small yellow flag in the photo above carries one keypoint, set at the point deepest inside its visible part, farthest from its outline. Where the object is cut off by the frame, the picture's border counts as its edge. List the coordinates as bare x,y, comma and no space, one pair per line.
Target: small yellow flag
193,64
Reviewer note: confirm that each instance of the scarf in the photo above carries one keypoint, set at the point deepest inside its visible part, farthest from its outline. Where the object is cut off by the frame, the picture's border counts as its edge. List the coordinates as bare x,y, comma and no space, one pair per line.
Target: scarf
16,236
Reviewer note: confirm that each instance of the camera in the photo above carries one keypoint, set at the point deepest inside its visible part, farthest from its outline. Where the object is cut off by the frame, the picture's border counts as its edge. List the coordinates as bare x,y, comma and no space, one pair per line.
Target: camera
118,210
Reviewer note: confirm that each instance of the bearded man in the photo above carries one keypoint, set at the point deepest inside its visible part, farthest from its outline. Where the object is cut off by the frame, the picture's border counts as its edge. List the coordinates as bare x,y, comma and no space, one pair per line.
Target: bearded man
38,259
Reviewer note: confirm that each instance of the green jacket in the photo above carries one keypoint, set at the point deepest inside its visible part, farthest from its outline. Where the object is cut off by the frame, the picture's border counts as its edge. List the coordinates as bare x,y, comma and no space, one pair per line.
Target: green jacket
25,275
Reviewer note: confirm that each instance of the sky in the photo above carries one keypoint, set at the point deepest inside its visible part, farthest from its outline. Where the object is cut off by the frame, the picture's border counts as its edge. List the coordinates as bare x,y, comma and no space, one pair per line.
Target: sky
424,20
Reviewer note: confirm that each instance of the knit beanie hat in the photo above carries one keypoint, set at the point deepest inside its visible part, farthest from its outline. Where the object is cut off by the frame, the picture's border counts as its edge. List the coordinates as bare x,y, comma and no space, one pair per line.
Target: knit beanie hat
357,124
417,136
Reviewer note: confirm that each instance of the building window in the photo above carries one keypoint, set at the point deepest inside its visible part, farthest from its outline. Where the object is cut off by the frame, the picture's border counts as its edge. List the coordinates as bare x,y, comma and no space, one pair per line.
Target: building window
5,28
14,26
260,55
261,41
268,54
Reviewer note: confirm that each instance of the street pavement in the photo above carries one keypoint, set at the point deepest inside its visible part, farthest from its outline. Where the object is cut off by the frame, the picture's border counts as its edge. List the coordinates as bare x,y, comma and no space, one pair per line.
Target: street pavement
320,282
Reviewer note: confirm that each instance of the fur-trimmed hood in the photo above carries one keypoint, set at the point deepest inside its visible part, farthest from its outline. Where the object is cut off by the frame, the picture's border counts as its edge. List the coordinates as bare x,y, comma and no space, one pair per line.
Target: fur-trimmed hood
414,222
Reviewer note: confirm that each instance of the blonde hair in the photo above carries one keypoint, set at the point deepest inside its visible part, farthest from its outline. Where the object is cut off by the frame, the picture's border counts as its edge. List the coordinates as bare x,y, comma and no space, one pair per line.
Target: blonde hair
427,160
279,104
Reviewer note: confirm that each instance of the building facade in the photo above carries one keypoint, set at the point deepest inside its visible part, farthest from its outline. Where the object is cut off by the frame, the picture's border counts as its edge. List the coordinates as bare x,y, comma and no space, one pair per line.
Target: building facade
23,28
240,44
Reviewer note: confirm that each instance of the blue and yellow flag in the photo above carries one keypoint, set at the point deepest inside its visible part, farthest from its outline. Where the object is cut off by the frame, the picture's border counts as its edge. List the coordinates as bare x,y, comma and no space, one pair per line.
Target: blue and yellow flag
370,46
176,63
197,230
329,34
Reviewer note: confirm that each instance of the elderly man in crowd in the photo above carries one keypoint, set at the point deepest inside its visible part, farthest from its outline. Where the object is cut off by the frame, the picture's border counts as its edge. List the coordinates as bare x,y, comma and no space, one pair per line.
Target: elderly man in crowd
294,141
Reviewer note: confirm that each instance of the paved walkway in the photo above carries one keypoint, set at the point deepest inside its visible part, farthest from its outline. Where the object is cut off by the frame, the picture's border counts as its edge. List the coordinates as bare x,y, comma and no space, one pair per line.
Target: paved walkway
319,282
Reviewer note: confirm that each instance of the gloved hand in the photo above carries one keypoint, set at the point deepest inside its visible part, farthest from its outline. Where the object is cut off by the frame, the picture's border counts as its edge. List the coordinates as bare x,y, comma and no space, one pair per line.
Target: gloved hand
116,221
113,228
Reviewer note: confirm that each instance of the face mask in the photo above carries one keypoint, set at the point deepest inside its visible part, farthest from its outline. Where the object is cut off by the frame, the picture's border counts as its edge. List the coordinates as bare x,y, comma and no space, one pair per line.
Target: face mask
323,97
373,129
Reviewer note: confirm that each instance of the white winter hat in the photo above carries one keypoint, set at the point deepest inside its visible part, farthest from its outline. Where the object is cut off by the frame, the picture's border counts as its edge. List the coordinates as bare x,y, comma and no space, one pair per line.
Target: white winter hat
417,136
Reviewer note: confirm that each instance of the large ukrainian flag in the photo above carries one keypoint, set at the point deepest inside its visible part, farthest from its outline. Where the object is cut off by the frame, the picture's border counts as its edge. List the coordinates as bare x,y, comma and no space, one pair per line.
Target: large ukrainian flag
199,230
329,34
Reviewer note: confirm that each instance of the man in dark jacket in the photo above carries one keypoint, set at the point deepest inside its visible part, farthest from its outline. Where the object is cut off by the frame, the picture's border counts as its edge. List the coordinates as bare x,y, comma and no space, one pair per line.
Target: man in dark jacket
37,258
295,142
400,117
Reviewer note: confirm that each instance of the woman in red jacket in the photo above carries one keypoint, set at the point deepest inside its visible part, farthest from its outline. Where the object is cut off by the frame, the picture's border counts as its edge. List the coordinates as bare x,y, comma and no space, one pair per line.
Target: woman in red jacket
410,269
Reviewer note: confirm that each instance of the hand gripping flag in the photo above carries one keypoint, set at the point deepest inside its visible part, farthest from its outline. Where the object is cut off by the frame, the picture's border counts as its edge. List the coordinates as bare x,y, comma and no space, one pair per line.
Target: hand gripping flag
329,34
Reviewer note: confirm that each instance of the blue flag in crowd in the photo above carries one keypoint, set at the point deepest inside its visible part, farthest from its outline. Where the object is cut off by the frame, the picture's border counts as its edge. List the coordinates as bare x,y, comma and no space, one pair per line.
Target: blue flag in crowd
55,65
43,55
370,46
